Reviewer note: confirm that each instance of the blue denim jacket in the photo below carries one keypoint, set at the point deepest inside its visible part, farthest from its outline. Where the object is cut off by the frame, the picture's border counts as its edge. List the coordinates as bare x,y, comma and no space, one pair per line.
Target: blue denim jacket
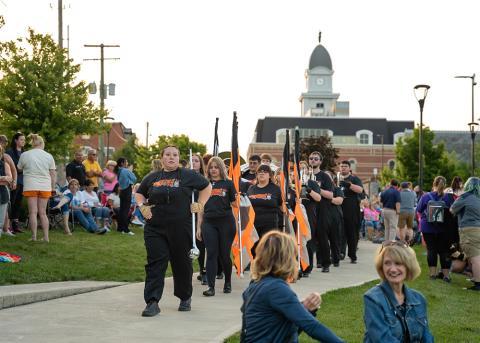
381,322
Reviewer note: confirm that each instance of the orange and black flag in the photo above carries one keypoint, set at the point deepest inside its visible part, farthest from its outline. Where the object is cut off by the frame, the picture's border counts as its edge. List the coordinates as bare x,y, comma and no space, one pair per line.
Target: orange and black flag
246,235
303,234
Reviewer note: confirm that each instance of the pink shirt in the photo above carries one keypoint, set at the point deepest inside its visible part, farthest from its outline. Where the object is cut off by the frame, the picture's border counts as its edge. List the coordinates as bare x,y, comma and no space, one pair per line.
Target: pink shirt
370,214
108,186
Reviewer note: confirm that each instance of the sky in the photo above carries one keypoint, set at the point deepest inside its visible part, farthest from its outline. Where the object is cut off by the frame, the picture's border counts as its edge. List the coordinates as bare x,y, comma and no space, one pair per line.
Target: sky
185,62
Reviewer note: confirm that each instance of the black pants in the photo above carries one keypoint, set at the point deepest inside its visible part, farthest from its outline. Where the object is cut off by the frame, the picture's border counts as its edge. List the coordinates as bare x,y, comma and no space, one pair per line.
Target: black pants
326,239
16,197
218,234
312,244
125,203
261,230
172,242
438,245
334,236
351,224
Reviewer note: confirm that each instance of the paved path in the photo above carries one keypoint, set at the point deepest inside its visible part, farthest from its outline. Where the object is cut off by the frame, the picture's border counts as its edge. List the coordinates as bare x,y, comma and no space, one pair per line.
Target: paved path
113,315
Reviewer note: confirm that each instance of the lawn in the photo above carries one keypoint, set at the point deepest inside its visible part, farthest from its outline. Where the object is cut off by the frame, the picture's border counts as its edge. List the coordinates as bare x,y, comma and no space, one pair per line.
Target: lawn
454,313
83,256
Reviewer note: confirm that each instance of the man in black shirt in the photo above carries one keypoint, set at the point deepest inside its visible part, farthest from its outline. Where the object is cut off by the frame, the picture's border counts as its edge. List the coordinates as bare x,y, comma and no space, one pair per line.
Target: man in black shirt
76,169
352,187
323,211
248,176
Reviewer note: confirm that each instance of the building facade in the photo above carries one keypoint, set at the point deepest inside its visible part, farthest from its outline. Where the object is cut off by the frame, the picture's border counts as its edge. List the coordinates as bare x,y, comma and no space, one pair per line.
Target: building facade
368,143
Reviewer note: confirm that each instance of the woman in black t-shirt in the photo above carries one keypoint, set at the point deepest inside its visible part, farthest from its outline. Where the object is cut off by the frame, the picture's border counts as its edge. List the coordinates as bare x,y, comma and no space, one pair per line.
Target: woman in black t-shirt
217,227
266,200
168,228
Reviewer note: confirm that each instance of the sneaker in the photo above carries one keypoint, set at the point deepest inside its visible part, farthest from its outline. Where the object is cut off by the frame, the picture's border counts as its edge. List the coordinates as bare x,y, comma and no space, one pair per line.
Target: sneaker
185,305
447,279
106,228
474,288
151,309
101,231
304,274
325,270
220,276
130,233
9,233
352,261
336,264
433,277
227,288
440,275
210,292
137,221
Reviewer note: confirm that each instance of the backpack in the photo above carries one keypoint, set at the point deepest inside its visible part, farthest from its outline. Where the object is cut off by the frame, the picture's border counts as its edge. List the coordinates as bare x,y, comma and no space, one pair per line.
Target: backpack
435,210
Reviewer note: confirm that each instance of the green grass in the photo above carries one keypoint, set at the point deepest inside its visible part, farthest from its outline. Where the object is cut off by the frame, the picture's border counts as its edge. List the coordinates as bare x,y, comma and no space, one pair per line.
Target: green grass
454,313
83,256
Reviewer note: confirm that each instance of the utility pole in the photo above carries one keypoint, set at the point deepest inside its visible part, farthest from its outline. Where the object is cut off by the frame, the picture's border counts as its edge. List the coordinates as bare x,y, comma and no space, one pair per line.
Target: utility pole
60,24
102,89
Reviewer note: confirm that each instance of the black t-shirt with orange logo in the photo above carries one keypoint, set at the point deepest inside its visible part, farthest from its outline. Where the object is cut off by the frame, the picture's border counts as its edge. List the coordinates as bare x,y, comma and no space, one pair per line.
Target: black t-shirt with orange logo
218,205
171,194
266,202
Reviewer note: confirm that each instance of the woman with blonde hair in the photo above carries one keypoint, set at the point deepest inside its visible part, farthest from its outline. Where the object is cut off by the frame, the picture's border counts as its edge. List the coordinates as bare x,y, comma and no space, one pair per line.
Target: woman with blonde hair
436,228
39,177
271,311
217,225
394,312
109,178
156,165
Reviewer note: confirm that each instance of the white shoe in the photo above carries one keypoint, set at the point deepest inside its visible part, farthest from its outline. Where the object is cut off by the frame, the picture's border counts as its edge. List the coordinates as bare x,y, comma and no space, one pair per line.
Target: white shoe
130,233
137,221
9,233
106,228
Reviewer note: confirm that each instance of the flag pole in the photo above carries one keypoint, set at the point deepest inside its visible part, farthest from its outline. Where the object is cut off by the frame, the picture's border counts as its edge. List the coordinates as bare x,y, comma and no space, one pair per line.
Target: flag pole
194,252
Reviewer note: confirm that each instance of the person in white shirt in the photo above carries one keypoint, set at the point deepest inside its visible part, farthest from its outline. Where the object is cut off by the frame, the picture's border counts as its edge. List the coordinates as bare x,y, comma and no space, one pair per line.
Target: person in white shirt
99,212
39,178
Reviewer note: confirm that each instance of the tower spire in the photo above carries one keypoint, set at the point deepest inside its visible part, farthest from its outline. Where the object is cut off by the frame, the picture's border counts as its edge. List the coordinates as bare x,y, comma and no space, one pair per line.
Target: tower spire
320,37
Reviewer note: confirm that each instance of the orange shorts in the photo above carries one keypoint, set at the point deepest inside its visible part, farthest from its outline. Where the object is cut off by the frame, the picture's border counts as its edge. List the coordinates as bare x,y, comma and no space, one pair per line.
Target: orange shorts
37,194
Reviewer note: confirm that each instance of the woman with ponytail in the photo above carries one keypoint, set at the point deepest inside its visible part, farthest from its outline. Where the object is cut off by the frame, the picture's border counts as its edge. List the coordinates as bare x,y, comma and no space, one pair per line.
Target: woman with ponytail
435,227
39,177
125,181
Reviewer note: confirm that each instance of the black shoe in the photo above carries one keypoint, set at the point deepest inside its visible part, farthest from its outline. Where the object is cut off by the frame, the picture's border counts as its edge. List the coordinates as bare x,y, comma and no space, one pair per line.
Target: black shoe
476,287
440,276
337,264
199,277
210,292
447,279
227,288
101,231
204,280
151,309
433,277
185,305
319,265
342,256
220,276
305,274
325,270
352,261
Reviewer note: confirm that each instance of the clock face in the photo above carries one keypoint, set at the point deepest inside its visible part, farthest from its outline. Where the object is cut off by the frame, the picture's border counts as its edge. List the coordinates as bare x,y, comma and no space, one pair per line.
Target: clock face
320,81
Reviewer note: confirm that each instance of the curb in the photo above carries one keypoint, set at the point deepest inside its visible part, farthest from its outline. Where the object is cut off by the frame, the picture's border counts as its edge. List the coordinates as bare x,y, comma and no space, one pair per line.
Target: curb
51,291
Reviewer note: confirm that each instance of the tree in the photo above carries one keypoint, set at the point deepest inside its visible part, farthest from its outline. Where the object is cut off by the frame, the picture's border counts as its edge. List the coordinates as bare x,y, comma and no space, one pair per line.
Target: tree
39,93
183,143
322,144
129,150
437,161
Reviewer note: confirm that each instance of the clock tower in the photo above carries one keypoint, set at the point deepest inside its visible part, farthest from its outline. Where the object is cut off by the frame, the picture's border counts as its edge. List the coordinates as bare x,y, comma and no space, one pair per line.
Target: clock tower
319,99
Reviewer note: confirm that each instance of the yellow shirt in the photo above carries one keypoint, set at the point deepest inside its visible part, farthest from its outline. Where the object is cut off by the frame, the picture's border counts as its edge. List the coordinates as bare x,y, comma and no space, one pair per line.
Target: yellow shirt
92,166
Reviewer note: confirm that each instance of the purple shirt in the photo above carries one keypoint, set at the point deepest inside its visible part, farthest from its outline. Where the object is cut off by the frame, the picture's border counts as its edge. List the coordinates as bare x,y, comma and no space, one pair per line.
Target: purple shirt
422,209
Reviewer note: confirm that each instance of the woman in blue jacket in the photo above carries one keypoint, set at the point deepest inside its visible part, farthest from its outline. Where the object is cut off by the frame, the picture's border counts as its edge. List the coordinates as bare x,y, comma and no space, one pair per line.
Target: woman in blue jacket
271,310
393,312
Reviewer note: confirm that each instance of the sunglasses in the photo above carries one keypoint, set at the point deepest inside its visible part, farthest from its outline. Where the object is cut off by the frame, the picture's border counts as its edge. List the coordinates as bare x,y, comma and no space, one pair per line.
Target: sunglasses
262,172
314,159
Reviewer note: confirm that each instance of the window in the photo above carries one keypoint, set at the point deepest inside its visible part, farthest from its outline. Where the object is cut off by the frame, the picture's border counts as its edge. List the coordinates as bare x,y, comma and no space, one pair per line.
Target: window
363,138
391,164
353,165
319,105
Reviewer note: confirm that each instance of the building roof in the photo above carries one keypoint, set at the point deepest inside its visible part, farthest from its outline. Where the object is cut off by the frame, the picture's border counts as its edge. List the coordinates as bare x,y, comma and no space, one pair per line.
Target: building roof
320,58
266,128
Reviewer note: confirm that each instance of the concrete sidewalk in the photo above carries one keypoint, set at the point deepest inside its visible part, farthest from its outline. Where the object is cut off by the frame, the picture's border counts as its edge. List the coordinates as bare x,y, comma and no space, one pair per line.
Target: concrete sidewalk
113,315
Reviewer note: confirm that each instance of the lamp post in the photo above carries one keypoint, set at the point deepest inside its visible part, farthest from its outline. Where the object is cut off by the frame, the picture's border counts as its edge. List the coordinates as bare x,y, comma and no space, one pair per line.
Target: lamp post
473,126
381,142
108,137
420,92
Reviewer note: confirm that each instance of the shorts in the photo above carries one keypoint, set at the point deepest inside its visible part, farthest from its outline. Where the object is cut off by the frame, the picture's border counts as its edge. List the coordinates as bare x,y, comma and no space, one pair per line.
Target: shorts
405,218
470,241
37,194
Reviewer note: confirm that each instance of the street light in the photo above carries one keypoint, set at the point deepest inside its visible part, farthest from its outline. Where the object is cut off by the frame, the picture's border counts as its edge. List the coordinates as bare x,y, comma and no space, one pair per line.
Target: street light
381,142
420,92
473,126
108,137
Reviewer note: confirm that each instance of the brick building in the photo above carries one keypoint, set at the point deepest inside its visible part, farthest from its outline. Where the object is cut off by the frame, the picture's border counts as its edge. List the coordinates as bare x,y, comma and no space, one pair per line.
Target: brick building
368,143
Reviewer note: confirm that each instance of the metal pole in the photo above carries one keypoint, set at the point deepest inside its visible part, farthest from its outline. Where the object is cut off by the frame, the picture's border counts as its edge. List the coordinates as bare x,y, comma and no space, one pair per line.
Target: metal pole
60,24
473,126
420,147
108,144
102,104
146,141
